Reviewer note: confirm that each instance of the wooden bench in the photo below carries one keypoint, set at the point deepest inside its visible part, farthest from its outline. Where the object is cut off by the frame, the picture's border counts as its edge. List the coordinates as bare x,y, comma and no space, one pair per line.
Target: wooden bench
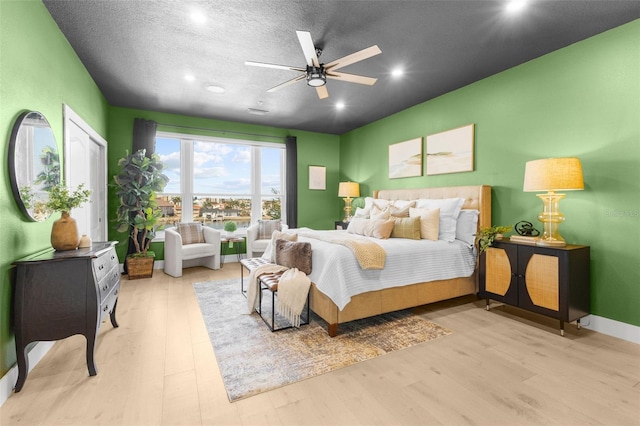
268,282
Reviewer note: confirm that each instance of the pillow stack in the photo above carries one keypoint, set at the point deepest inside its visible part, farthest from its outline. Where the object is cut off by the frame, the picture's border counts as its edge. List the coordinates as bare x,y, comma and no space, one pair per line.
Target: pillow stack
429,219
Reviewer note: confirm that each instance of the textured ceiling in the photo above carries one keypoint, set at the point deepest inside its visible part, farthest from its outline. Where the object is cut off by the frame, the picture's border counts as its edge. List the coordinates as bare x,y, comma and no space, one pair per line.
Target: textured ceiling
139,52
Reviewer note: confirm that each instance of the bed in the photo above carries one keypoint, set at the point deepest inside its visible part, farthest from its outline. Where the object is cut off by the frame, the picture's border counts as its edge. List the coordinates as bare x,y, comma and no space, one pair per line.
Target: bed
370,303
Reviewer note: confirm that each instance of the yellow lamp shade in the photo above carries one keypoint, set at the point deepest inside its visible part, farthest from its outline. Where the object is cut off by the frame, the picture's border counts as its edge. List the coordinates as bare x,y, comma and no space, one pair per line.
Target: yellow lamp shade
349,189
553,174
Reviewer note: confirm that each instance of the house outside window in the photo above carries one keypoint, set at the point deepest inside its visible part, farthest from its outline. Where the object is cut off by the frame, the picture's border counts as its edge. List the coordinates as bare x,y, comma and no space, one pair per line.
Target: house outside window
223,179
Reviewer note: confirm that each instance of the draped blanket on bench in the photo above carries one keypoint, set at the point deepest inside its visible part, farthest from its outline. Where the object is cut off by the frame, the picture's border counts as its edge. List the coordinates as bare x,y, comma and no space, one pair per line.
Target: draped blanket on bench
369,254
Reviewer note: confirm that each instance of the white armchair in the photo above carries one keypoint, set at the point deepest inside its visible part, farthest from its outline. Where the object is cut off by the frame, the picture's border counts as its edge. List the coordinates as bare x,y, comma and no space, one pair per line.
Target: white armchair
178,255
256,246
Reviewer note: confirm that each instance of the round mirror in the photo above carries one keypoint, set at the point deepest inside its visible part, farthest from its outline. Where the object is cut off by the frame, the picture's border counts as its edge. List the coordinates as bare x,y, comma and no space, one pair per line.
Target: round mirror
34,164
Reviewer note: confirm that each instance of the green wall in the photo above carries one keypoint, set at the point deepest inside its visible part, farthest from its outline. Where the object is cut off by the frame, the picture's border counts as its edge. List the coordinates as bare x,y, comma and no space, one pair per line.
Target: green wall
583,101
38,71
313,149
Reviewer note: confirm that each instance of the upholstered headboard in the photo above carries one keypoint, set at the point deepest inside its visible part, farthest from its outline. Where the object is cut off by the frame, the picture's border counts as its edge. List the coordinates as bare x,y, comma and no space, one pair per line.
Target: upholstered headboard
476,197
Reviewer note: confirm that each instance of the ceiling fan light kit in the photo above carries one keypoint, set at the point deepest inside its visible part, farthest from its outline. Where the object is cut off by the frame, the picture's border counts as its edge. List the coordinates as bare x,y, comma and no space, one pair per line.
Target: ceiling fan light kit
316,76
315,73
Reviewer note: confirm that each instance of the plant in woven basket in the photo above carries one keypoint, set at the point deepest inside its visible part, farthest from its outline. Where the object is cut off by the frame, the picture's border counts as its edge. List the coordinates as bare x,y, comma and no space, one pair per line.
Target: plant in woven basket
139,180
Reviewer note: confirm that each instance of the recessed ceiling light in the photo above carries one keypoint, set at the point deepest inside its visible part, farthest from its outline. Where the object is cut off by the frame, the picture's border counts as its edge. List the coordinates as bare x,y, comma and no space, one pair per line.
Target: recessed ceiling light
256,111
397,72
215,89
340,106
198,17
189,77
515,6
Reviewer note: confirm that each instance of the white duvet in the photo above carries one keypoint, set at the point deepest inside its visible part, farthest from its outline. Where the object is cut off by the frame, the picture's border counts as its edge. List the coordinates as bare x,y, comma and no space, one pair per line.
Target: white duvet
336,273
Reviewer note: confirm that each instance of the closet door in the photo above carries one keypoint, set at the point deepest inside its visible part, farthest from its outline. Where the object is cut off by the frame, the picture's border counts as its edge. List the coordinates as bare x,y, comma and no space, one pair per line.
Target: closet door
86,163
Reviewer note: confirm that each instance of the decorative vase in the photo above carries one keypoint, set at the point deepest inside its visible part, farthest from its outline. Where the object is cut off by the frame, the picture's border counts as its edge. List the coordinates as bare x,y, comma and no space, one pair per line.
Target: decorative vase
64,234
85,241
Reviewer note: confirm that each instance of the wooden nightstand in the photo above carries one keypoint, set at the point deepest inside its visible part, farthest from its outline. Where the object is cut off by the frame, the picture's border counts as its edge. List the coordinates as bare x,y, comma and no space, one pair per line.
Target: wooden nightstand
553,281
339,225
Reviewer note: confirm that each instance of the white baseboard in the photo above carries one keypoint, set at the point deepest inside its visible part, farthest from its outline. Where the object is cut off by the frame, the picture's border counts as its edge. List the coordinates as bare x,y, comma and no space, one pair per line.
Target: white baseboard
611,327
8,381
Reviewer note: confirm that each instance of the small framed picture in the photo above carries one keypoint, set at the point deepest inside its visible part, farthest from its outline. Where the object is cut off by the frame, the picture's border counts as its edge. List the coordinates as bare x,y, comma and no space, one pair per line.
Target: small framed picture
318,177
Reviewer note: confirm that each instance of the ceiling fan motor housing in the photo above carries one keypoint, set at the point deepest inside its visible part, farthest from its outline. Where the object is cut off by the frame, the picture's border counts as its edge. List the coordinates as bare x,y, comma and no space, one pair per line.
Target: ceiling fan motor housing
316,76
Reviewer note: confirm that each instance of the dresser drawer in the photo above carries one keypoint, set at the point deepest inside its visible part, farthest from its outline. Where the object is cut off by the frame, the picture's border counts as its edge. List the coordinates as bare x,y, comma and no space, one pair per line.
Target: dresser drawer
102,265
109,303
108,282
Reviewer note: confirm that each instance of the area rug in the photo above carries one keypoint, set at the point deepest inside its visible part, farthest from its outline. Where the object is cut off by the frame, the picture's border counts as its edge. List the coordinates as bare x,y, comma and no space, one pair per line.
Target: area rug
252,359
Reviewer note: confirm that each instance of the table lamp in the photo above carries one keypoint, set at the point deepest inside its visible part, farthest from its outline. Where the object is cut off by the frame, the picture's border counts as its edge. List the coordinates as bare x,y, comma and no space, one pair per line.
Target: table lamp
551,175
348,190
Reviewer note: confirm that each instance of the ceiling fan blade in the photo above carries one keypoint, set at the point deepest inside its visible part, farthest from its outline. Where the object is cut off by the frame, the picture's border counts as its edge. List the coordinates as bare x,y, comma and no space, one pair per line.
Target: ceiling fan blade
322,91
287,83
353,58
351,78
309,50
274,66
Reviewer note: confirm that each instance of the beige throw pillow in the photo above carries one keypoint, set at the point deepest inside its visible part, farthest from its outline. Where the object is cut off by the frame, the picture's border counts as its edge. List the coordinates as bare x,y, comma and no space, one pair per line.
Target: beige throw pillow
377,228
407,227
429,222
266,228
191,233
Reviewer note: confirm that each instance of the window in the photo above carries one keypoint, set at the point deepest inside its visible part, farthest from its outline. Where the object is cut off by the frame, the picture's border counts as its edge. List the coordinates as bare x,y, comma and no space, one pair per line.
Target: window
223,179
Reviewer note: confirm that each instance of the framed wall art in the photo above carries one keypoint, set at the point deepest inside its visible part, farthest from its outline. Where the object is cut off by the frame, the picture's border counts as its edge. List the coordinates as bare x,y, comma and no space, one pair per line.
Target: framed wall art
450,151
405,159
318,177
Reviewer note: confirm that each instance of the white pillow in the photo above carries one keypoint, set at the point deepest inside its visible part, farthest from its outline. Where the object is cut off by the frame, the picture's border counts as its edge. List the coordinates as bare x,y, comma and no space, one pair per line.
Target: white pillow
362,213
401,204
380,213
369,202
449,212
467,226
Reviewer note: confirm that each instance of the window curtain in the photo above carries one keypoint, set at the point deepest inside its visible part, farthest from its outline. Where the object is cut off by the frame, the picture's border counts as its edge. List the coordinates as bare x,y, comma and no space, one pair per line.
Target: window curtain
144,137
292,181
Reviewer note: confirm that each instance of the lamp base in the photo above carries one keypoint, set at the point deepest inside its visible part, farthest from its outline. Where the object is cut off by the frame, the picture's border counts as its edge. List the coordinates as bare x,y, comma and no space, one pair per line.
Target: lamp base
551,218
551,243
347,210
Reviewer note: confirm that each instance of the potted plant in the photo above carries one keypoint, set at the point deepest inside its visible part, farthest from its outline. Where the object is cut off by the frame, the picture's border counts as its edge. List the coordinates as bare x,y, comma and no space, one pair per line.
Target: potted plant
64,233
488,235
139,180
230,227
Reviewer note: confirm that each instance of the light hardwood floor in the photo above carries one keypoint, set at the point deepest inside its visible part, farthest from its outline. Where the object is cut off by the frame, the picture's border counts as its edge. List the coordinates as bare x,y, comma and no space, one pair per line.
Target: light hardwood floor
503,367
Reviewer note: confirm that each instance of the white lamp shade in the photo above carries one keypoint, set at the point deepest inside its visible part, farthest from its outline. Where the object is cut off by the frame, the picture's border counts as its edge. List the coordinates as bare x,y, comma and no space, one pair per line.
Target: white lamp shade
553,174
349,189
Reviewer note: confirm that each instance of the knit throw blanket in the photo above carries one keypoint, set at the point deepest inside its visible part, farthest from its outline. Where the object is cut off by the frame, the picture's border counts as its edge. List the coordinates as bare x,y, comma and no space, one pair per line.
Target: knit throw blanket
293,289
254,285
369,254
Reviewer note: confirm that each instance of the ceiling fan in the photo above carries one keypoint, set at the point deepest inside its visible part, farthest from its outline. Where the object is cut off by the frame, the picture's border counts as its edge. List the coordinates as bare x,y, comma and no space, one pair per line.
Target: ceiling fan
315,73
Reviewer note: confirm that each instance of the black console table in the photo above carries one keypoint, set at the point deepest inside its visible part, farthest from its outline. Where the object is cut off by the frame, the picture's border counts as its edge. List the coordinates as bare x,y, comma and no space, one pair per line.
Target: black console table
62,293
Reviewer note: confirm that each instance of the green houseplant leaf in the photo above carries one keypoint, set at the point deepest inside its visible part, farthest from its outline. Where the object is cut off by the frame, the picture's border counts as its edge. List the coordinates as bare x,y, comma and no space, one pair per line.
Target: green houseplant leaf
487,236
139,180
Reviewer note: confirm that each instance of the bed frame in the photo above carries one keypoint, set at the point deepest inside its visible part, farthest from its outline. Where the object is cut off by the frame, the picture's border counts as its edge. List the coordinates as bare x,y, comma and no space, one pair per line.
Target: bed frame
393,299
